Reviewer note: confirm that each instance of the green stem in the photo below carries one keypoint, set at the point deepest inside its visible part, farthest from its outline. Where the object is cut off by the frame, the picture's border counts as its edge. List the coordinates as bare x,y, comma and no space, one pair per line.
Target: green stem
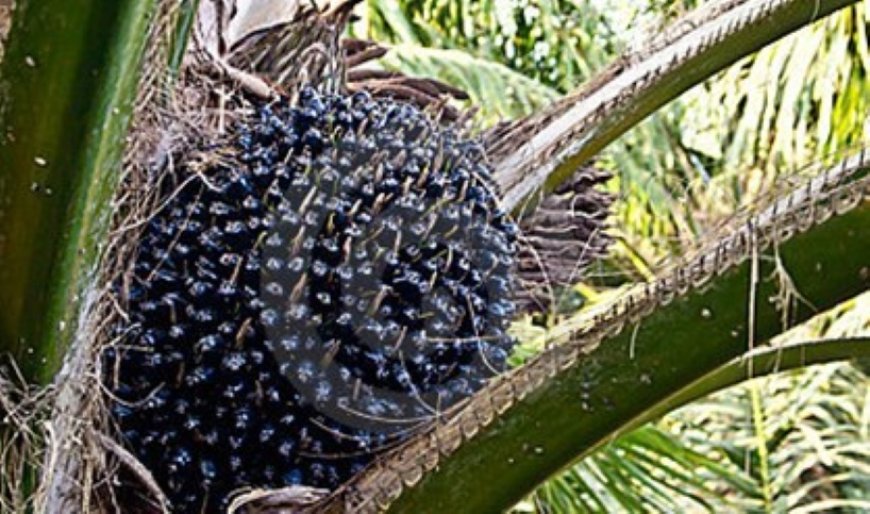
186,16
577,128
759,363
67,86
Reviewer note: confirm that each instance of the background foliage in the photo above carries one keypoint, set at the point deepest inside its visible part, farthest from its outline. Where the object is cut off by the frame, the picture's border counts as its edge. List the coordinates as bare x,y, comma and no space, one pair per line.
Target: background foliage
793,442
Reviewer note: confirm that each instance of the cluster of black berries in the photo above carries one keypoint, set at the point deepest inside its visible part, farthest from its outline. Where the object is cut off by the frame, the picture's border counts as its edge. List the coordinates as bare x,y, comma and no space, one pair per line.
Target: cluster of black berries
340,280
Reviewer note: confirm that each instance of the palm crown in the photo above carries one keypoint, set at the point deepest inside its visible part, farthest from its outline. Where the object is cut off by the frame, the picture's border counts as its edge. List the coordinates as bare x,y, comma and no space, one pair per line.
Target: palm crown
86,167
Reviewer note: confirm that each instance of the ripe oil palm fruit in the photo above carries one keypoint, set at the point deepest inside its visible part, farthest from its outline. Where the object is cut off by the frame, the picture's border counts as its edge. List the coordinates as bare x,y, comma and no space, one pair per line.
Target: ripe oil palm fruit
341,276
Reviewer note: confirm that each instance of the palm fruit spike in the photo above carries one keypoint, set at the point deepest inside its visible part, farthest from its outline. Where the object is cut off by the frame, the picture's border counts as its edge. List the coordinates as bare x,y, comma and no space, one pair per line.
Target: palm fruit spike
343,281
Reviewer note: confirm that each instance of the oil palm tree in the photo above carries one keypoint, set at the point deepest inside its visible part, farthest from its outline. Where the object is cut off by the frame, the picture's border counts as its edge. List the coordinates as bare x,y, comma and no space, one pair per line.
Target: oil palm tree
86,139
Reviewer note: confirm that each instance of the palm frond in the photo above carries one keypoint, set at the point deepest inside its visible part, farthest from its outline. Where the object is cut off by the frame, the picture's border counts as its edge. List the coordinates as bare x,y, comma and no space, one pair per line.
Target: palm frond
813,423
648,464
497,90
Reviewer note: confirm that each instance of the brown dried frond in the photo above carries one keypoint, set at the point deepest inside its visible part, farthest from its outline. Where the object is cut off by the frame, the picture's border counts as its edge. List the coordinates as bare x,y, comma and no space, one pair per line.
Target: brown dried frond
302,49
287,499
561,237
425,93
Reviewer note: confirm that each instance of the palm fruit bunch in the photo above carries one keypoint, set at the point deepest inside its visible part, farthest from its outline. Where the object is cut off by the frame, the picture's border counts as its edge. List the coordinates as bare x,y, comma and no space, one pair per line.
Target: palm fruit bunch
339,276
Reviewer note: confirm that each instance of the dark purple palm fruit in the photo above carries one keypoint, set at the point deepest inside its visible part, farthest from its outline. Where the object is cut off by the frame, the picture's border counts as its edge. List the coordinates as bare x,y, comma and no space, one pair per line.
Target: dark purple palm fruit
342,280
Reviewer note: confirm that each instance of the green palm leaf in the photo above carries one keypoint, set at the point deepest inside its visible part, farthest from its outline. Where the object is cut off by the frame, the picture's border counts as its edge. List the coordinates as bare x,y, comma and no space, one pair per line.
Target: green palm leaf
499,91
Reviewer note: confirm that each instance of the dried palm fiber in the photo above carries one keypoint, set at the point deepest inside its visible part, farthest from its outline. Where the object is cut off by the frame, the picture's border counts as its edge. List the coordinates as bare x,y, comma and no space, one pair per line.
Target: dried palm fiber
22,408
